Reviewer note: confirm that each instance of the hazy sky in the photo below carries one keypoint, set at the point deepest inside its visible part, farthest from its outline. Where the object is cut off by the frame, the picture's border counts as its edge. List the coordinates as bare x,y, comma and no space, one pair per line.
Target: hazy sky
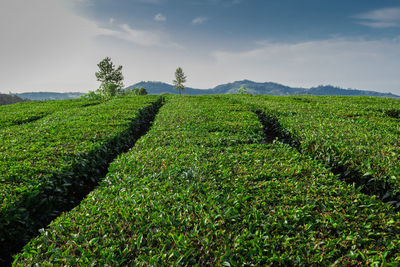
55,45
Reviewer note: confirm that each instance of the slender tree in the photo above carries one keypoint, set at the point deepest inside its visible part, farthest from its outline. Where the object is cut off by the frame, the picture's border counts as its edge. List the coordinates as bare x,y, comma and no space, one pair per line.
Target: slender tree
110,77
180,78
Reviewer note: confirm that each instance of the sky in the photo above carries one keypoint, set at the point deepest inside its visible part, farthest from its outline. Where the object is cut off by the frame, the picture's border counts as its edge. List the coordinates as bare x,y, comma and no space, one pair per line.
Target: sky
55,45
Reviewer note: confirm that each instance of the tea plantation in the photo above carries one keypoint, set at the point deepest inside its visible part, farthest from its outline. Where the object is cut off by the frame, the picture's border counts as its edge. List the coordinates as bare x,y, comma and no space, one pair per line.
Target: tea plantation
30,111
358,137
225,180
47,164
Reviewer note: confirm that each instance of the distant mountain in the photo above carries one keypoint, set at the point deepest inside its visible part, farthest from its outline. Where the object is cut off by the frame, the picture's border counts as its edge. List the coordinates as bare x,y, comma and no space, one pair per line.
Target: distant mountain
49,95
332,90
10,99
156,88
267,88
255,88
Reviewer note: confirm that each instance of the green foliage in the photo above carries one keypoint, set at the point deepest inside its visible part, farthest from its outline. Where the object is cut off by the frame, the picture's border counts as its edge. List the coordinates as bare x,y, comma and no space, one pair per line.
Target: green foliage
180,79
242,91
92,96
109,90
108,74
111,79
142,91
394,113
355,136
46,163
26,112
137,91
105,92
203,188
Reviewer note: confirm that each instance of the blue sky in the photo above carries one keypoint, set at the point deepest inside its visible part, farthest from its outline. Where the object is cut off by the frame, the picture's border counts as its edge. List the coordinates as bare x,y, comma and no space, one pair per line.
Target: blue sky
244,20
54,45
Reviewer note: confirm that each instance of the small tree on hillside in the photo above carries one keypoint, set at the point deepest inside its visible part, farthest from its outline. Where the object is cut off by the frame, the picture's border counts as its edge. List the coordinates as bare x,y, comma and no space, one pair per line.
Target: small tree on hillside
139,91
109,90
110,77
242,91
180,78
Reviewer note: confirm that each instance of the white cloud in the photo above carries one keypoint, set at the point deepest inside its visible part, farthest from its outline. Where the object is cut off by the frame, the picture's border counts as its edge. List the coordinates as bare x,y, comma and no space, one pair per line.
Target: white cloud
41,43
353,63
46,47
160,17
380,18
199,20
141,37
378,24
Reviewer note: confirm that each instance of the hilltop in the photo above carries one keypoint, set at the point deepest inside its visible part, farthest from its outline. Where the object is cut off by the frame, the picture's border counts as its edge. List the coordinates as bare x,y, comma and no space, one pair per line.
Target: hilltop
255,88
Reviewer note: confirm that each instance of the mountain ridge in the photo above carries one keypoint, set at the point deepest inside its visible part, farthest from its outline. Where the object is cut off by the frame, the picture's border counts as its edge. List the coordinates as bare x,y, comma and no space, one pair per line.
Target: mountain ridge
257,88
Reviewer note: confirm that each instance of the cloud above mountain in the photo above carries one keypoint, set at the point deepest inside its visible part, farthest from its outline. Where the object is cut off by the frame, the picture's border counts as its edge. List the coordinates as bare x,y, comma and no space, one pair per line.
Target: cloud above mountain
55,45
380,18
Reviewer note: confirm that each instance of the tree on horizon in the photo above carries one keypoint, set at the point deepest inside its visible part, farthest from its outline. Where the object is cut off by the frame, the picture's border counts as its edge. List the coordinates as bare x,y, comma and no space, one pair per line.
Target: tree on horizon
180,78
110,77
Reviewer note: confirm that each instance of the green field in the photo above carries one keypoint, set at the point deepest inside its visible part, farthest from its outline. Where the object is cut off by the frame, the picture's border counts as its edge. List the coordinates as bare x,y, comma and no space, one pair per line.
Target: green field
25,112
358,137
226,180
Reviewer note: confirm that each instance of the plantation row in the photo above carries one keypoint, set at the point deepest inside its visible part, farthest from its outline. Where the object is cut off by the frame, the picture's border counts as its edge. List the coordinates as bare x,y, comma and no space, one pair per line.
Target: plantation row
202,187
47,164
30,111
358,137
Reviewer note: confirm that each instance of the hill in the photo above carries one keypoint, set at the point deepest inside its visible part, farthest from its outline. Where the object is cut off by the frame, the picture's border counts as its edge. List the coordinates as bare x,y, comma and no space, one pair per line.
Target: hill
255,88
49,95
156,88
216,180
332,90
10,99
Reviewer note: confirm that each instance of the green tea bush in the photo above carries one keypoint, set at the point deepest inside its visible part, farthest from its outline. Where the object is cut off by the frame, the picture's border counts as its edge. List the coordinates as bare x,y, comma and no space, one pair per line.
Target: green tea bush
354,136
47,164
203,188
25,112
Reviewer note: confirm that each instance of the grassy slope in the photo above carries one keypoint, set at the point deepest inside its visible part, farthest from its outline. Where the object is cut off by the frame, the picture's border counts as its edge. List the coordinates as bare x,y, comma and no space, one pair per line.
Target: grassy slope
202,188
30,111
356,136
46,164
